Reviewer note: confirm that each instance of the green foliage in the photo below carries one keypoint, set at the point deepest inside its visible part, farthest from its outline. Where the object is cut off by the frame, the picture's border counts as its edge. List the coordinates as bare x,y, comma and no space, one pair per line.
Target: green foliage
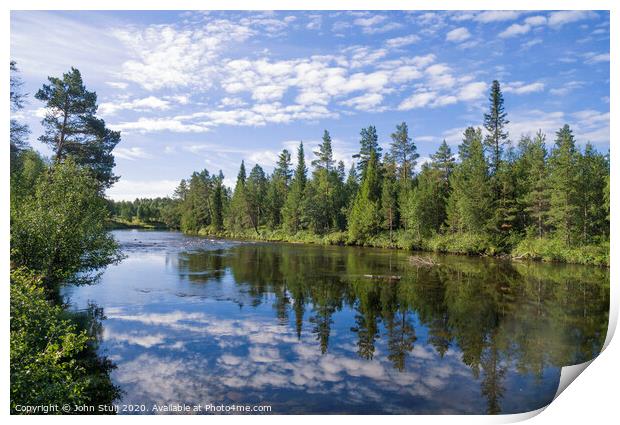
278,187
495,123
292,212
71,128
59,231
256,195
424,211
532,175
369,142
53,361
492,198
146,212
58,236
461,243
324,156
404,152
556,250
389,197
469,206
365,218
563,182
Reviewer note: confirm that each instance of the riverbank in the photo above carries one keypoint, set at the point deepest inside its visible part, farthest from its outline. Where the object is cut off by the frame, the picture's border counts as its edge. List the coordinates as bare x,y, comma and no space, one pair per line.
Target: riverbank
119,224
543,250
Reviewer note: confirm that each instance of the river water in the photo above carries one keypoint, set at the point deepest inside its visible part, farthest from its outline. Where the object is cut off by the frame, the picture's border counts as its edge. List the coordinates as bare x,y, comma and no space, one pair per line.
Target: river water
325,329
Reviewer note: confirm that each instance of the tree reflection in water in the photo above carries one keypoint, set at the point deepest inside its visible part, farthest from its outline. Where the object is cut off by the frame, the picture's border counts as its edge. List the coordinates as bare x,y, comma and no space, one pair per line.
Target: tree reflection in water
494,312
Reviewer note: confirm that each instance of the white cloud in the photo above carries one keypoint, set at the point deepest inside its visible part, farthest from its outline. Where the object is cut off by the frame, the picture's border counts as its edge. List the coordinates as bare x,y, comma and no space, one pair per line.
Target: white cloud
444,100
497,16
535,20
587,125
131,154
473,91
519,87
315,22
457,35
369,22
375,24
514,30
117,85
531,43
417,100
365,102
566,88
146,125
144,104
166,56
597,58
558,19
402,41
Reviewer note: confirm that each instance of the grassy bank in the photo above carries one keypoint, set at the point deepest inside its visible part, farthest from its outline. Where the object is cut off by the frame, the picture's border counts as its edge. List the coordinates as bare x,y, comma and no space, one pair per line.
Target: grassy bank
117,223
545,250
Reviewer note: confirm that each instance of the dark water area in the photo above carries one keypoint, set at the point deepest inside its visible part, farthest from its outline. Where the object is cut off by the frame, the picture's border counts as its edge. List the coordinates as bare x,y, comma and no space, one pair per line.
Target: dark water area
325,329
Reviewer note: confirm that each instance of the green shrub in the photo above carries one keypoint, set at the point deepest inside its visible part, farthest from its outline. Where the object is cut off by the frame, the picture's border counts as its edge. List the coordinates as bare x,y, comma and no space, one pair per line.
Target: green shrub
555,250
52,360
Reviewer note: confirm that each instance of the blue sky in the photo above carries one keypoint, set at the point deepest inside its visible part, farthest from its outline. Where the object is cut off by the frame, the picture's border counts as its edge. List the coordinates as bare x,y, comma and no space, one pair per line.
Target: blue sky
193,90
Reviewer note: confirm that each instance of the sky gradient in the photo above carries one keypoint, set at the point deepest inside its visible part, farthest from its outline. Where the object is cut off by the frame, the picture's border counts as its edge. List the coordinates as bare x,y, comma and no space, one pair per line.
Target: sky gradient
194,90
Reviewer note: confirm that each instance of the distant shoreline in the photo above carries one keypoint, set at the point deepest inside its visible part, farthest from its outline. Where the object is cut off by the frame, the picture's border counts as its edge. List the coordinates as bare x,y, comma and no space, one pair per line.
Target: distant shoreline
339,239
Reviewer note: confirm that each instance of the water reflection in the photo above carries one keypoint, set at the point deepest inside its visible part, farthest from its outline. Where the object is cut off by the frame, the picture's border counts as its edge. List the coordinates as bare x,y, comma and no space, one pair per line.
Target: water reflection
306,330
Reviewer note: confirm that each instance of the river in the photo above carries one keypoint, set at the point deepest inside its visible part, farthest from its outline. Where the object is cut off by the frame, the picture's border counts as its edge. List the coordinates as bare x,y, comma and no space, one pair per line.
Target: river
326,329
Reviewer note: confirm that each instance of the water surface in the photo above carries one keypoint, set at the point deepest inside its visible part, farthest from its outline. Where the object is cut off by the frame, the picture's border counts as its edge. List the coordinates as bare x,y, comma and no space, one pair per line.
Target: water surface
314,329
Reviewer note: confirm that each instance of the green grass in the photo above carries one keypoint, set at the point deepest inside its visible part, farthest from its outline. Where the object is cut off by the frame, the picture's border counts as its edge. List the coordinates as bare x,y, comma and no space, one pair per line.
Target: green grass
115,223
548,250
554,250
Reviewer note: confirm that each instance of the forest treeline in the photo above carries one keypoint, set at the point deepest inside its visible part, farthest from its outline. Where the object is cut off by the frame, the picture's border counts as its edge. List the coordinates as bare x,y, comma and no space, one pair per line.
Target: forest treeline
58,236
491,196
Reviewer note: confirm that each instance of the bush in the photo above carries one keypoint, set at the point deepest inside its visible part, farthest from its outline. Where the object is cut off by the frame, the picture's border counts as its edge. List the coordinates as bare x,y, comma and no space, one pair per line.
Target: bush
551,249
52,361
461,243
59,230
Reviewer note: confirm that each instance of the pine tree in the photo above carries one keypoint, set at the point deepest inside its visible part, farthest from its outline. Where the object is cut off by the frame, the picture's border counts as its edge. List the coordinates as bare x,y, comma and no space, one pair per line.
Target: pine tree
325,159
239,205
351,186
505,207
470,202
283,166
432,192
71,127
443,161
278,188
292,212
424,211
196,208
495,123
321,206
365,218
389,197
369,142
469,136
256,195
593,168
340,196
218,202
181,191
404,152
564,210
531,170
